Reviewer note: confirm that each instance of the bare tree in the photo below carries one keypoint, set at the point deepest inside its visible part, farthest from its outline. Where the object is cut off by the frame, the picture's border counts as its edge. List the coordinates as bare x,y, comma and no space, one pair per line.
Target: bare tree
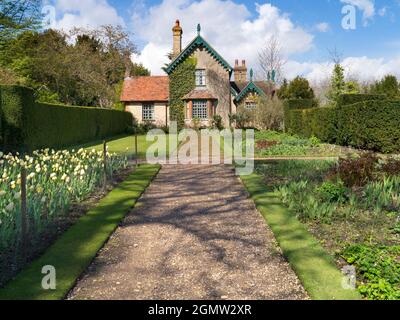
335,55
272,59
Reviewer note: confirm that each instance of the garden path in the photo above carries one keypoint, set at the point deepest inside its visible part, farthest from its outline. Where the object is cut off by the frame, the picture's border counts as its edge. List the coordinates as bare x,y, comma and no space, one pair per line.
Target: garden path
194,234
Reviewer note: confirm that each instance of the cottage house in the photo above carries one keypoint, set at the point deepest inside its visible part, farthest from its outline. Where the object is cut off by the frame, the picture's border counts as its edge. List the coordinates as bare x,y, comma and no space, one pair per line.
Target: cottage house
215,92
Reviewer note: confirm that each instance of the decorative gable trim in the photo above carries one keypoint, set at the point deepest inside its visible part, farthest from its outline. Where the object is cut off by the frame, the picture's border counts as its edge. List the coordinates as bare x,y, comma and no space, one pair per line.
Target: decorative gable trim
251,87
197,43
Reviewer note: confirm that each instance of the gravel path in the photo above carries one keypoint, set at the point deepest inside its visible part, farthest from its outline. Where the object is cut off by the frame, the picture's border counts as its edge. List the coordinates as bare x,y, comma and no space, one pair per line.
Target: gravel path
193,235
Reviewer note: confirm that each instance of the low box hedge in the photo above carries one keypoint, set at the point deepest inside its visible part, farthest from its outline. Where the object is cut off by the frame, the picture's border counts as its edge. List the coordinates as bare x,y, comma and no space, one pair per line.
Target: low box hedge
27,125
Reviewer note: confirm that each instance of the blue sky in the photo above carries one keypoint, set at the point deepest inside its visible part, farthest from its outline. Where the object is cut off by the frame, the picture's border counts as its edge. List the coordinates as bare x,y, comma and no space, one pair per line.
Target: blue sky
306,30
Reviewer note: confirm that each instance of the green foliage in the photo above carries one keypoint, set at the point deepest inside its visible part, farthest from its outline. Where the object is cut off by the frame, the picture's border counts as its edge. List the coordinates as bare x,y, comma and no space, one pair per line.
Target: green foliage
388,86
17,16
333,192
370,124
217,122
347,99
345,219
72,253
27,125
88,71
338,85
312,264
241,119
315,142
282,92
299,88
379,269
182,82
356,171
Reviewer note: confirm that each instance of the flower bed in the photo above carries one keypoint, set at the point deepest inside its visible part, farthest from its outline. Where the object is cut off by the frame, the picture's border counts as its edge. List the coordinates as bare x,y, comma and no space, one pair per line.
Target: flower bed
55,181
353,208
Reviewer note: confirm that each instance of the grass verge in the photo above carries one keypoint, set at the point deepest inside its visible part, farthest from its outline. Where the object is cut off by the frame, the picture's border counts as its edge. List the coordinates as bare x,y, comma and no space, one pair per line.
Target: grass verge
314,267
75,249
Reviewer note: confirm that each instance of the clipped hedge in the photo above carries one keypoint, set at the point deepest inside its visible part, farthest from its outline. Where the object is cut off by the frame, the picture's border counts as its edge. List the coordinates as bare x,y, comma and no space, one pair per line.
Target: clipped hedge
347,99
372,125
293,104
27,125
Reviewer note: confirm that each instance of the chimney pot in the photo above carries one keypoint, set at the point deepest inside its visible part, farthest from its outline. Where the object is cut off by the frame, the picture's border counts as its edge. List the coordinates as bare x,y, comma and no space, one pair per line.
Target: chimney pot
236,63
177,39
243,63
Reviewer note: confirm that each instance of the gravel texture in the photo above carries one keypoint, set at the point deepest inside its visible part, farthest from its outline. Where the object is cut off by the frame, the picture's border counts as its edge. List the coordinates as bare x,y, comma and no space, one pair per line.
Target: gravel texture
193,235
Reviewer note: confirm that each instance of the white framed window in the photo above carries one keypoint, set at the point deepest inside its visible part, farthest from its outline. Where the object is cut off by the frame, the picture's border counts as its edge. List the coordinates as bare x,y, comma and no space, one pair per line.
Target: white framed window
200,78
251,105
200,110
148,112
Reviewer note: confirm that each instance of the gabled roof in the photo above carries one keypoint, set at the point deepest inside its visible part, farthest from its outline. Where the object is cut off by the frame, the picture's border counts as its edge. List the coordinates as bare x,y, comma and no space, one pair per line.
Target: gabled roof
250,87
198,42
145,89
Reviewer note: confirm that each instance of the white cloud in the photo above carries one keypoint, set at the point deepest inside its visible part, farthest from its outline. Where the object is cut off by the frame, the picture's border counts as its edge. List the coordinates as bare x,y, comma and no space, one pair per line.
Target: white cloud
382,12
362,68
366,6
228,26
85,13
323,27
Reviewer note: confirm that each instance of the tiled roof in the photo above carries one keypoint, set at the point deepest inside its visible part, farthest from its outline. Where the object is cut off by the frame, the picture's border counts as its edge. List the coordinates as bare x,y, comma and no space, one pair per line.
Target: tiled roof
197,94
144,89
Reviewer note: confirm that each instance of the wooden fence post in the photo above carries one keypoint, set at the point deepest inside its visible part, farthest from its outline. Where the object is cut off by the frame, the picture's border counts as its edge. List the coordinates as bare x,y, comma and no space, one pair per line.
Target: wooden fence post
24,214
105,165
136,150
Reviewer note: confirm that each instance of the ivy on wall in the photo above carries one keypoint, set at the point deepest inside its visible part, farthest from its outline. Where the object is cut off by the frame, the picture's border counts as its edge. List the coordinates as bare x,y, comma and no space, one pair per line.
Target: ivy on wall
181,82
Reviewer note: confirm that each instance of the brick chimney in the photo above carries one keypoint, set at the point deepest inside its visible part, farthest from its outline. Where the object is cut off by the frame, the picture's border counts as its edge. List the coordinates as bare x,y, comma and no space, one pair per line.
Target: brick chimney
177,39
240,72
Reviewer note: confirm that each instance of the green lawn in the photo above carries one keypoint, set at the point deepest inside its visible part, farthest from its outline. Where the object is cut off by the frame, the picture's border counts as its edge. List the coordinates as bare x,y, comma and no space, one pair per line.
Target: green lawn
125,145
314,267
75,249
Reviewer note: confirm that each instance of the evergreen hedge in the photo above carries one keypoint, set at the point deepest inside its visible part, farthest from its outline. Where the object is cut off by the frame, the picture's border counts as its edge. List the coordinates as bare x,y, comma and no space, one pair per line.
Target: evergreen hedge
27,125
347,99
368,124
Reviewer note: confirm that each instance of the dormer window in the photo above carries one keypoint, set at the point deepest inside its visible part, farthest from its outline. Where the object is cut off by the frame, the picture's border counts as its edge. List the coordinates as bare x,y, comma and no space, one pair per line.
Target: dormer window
200,78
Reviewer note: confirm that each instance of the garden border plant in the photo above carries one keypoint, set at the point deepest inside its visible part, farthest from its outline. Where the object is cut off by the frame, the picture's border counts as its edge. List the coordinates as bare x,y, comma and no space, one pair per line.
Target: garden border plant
72,253
314,267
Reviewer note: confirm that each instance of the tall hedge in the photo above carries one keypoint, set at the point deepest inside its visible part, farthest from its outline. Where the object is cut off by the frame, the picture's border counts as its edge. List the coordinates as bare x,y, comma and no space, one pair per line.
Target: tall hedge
369,124
181,82
27,125
346,99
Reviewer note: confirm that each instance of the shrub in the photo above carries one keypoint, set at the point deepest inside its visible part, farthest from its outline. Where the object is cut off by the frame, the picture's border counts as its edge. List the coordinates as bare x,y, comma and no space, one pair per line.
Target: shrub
265,144
269,114
333,192
216,122
27,125
356,172
391,167
299,88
